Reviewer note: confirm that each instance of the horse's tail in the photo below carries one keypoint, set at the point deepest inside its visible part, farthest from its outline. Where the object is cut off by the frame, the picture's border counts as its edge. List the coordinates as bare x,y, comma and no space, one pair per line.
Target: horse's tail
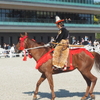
97,60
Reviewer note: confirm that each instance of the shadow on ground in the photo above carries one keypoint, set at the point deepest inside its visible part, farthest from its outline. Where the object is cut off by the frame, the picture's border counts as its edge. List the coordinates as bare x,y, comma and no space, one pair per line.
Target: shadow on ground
61,93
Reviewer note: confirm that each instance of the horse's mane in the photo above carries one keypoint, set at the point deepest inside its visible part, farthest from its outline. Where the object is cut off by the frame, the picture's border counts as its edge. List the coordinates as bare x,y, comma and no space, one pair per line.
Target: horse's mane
46,48
41,43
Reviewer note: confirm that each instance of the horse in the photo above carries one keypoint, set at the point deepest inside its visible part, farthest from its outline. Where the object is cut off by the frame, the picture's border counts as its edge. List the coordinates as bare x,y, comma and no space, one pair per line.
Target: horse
80,61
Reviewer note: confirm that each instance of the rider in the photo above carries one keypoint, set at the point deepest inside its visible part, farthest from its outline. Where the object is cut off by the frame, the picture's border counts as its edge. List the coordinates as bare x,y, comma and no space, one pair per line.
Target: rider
61,51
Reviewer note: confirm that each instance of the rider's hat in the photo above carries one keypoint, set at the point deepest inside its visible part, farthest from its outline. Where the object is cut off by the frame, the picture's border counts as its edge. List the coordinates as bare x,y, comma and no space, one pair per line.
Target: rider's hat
58,20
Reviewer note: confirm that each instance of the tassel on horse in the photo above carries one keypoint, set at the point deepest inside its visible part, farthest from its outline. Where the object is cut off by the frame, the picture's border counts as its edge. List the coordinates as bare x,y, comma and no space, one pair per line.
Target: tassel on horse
25,56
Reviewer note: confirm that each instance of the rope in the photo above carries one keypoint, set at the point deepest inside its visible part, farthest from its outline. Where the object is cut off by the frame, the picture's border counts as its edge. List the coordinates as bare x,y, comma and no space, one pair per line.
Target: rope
46,45
69,45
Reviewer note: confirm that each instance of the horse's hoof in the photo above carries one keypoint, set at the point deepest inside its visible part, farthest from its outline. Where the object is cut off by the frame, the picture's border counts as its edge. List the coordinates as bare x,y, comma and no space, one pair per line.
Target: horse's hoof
83,98
92,97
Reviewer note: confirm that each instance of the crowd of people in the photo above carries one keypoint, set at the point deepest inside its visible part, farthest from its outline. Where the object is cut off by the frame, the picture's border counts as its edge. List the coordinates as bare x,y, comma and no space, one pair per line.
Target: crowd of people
6,49
85,41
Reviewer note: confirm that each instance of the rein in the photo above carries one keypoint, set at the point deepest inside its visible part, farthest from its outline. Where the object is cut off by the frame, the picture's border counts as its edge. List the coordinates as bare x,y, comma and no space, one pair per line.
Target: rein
22,44
22,47
36,47
46,45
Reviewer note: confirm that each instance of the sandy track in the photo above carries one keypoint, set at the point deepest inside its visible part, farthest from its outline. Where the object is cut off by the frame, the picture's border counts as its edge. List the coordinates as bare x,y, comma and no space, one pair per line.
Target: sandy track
18,79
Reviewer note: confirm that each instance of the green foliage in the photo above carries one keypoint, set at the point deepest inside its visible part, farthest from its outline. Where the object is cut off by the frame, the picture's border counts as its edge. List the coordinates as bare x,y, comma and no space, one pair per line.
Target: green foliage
97,36
97,17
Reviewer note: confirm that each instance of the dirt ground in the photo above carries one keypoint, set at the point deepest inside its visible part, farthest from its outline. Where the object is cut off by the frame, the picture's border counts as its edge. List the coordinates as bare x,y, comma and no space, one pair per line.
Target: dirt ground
18,79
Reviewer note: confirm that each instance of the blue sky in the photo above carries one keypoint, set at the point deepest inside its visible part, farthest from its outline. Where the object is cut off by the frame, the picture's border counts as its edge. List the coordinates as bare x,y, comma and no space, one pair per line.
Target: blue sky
97,0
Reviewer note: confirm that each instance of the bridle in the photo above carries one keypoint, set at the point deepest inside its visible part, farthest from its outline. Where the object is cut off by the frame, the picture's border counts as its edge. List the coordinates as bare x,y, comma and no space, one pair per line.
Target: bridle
22,46
21,42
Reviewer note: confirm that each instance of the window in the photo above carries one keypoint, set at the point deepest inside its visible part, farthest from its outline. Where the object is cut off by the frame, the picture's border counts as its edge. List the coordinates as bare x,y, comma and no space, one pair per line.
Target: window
41,38
49,38
34,37
3,10
18,38
10,40
2,41
0,11
41,16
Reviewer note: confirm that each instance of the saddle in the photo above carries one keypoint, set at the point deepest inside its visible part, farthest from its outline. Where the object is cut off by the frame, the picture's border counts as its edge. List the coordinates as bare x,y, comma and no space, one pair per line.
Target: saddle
69,65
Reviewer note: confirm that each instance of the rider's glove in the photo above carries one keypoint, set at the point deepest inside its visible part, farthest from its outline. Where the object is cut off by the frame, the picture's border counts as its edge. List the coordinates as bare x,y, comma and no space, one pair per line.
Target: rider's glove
47,45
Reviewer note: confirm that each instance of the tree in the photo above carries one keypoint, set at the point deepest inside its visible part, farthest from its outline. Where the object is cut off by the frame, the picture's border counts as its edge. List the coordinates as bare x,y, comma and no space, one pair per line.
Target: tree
97,36
96,20
97,17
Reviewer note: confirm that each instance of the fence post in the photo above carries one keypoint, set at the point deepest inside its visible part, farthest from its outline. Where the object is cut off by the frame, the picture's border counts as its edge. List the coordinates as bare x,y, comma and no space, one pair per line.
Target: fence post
10,54
20,54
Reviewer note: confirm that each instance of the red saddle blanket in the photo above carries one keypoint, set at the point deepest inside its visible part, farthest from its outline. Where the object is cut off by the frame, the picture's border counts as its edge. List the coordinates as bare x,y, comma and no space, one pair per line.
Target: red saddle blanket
48,56
76,51
44,59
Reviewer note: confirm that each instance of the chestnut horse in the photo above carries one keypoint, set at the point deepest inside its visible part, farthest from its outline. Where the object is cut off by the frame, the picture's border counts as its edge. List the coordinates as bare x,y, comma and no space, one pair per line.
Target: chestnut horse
81,61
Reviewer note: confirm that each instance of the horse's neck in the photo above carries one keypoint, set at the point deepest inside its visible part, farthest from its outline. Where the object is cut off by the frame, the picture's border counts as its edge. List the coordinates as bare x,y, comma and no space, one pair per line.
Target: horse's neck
37,53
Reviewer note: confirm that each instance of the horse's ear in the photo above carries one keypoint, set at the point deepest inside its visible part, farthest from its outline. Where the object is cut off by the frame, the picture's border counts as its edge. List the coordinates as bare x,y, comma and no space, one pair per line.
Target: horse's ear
21,35
25,33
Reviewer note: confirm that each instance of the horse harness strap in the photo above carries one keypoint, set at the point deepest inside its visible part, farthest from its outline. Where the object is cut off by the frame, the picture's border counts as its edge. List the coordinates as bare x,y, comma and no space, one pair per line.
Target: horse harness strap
37,47
24,59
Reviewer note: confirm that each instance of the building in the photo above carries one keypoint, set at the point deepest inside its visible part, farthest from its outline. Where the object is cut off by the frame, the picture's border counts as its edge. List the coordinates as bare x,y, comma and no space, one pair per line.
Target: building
37,17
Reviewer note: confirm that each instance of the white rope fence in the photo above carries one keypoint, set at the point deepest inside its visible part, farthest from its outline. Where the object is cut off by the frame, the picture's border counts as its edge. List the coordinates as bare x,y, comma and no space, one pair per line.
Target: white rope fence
11,53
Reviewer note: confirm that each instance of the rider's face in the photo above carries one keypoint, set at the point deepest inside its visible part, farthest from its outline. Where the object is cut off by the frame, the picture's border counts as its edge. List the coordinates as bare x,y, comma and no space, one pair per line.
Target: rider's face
58,25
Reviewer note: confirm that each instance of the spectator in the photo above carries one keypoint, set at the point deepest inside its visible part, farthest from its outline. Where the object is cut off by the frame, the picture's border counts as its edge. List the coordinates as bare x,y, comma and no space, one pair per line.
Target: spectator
95,43
13,45
5,46
8,46
74,40
90,43
86,40
78,43
12,50
68,20
82,41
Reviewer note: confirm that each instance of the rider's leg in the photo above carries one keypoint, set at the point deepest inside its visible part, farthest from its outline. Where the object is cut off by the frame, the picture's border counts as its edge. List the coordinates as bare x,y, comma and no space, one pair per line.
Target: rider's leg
56,56
63,57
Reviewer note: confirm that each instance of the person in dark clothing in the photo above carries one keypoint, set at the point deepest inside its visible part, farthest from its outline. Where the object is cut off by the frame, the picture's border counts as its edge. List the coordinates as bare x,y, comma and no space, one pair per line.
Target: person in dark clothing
61,51
63,33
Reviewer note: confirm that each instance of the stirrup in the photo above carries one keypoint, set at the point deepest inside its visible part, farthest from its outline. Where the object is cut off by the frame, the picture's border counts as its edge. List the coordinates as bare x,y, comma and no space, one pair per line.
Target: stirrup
64,68
58,66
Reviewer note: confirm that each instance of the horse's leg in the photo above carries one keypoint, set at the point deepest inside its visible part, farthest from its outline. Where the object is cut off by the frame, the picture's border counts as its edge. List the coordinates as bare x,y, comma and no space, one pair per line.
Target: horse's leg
89,79
93,80
42,78
50,80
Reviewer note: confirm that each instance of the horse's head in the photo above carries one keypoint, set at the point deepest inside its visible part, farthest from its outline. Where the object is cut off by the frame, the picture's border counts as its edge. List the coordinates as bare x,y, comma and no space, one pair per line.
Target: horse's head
21,45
